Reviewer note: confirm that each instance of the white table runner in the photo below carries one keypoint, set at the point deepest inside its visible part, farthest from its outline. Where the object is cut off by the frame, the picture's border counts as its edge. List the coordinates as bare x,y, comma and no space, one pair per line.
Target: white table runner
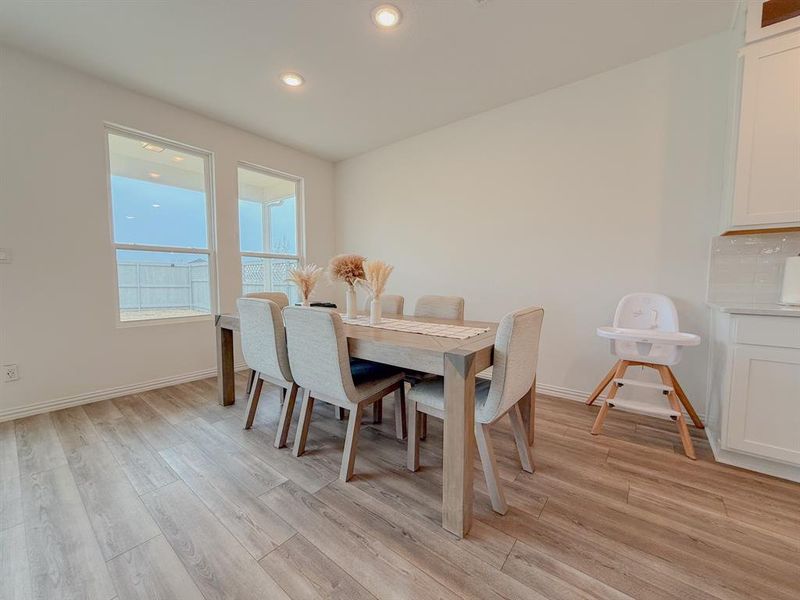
436,329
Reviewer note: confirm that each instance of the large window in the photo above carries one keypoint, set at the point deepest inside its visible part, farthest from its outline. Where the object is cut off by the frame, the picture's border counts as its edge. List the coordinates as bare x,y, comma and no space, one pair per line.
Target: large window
269,235
161,228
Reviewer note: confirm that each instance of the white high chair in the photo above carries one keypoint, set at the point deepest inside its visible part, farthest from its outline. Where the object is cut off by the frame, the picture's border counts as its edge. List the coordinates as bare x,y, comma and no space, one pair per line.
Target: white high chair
645,333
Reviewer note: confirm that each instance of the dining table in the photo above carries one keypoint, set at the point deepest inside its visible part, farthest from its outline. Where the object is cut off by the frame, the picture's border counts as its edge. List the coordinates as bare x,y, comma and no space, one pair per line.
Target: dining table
456,360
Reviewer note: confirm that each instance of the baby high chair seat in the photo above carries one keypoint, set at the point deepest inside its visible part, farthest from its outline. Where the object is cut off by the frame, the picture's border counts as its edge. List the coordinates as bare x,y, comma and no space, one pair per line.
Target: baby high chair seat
645,333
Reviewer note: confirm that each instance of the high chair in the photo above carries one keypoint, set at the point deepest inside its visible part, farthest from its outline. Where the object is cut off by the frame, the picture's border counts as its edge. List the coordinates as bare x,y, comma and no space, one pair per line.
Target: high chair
645,333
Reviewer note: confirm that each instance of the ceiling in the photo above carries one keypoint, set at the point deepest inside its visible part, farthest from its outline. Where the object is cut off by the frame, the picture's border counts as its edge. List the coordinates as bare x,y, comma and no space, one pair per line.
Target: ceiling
365,88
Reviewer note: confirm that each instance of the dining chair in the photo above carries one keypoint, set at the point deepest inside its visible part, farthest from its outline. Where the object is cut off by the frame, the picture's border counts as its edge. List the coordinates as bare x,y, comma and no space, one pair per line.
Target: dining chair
516,353
391,304
265,352
279,298
321,365
435,307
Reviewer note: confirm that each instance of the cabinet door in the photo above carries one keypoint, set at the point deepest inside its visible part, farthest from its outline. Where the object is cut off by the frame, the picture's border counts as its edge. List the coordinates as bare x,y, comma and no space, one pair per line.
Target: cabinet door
764,411
767,189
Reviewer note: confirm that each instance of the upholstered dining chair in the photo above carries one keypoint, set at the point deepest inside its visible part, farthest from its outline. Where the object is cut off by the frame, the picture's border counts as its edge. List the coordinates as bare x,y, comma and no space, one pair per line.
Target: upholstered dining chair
435,307
390,304
265,352
321,365
279,298
516,353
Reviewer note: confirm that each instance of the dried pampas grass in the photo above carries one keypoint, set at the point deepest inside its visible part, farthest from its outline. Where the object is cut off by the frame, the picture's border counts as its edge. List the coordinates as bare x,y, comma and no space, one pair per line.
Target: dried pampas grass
305,278
346,267
376,274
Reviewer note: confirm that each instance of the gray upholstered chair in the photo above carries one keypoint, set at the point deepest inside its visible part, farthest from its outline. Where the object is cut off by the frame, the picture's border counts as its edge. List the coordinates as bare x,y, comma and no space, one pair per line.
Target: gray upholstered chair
265,352
390,304
279,298
321,365
440,307
435,307
516,353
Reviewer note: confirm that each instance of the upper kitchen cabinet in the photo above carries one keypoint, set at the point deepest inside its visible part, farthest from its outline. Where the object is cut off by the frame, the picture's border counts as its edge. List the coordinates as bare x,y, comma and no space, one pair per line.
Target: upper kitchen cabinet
767,180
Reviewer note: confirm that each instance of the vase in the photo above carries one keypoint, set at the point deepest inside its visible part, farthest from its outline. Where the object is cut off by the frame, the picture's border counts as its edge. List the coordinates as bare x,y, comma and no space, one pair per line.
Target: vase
352,309
375,311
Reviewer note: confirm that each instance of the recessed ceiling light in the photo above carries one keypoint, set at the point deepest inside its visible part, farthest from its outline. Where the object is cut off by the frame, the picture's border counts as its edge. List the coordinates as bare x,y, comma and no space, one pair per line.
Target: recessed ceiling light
129,217
386,16
156,206
292,79
153,175
178,158
152,147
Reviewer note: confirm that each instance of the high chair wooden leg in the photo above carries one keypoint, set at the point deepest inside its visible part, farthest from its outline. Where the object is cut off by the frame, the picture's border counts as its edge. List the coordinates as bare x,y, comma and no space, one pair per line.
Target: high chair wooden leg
683,428
685,401
622,366
603,384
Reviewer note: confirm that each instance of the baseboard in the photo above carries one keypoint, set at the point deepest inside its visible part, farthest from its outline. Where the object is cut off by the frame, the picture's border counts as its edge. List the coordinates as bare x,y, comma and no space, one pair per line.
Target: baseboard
753,463
115,392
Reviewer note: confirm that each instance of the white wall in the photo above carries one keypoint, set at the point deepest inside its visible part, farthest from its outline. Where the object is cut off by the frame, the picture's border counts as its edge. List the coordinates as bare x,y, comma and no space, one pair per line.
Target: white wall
569,199
57,298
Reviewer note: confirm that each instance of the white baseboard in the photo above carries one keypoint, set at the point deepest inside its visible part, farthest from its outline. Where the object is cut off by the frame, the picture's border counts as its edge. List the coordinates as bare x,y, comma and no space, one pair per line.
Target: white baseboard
115,392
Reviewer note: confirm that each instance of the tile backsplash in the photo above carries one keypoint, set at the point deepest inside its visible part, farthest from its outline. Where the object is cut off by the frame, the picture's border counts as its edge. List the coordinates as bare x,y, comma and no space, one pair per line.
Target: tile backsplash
749,268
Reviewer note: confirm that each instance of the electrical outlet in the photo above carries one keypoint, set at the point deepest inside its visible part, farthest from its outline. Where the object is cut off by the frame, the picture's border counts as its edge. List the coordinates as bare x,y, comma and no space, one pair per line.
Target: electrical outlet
10,373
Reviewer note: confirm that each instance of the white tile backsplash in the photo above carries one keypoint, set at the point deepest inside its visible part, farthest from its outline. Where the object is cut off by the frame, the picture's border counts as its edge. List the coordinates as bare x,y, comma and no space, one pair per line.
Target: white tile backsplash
749,268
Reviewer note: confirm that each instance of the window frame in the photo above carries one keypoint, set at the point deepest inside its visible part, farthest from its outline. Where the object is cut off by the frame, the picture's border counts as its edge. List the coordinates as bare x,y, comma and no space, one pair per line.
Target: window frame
210,251
300,225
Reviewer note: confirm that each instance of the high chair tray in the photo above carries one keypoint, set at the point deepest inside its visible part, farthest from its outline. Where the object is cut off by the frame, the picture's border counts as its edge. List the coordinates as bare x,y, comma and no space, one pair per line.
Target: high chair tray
649,336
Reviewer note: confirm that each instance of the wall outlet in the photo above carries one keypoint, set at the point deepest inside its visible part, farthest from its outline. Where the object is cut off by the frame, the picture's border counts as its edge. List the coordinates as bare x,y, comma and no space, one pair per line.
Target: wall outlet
10,373
5,255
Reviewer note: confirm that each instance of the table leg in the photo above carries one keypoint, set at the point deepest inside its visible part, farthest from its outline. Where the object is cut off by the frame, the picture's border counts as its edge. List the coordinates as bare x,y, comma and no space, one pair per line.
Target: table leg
527,406
459,435
225,376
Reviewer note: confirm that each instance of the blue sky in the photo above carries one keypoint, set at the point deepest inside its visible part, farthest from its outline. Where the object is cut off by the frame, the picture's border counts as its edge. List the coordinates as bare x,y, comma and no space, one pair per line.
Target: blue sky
161,215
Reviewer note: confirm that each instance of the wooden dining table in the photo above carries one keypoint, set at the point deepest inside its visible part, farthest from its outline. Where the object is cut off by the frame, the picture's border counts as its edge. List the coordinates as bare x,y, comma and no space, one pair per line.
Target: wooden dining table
457,360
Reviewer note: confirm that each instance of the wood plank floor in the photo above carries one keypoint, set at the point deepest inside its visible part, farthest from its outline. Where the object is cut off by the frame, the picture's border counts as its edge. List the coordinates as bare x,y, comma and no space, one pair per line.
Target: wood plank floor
163,495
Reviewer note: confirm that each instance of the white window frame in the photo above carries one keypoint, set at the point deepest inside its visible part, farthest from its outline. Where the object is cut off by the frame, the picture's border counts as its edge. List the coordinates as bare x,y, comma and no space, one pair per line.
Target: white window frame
299,216
210,251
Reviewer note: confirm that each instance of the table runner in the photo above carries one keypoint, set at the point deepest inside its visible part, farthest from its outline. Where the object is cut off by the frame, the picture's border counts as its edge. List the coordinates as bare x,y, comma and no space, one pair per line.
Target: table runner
435,329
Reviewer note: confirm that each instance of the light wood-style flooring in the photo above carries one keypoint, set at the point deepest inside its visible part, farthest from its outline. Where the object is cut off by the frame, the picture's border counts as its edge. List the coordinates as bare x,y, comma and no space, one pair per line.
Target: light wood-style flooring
163,495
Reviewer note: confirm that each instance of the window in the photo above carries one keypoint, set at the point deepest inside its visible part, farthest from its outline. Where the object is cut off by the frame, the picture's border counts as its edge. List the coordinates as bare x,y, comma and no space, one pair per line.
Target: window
161,221
269,236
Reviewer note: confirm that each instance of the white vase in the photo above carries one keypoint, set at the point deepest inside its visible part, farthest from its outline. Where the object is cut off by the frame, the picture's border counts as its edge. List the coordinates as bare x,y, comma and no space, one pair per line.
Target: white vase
375,311
352,309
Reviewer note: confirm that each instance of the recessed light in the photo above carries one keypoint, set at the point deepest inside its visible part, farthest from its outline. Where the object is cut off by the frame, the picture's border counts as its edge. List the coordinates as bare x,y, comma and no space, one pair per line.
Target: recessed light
153,175
152,147
178,158
386,16
156,205
129,217
292,79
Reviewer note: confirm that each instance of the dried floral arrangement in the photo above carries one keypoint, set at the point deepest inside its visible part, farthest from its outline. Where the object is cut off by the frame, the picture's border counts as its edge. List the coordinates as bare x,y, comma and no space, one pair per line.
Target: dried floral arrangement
348,268
376,274
305,278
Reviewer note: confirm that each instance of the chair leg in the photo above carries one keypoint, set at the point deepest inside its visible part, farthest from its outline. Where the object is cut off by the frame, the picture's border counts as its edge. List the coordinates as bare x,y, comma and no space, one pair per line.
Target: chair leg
622,366
603,384
412,460
683,429
251,378
489,463
252,402
302,426
351,442
377,411
286,416
521,438
400,424
685,401
423,426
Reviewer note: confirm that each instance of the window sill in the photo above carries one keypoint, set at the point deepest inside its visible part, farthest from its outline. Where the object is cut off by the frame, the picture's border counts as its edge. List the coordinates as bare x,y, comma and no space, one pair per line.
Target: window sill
164,321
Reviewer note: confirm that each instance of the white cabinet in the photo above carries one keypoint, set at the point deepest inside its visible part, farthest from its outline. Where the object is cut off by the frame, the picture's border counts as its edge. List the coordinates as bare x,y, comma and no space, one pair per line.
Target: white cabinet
764,405
767,178
753,418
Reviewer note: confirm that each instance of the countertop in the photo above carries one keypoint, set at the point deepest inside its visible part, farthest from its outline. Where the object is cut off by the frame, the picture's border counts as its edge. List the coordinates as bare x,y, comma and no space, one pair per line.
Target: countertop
756,308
